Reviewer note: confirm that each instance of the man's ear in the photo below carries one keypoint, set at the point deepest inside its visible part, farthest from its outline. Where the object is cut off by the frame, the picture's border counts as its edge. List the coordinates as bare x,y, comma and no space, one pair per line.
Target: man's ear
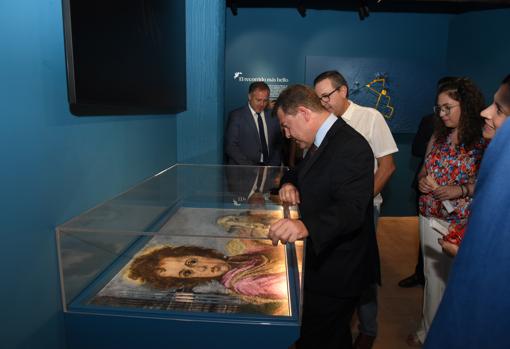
305,112
343,91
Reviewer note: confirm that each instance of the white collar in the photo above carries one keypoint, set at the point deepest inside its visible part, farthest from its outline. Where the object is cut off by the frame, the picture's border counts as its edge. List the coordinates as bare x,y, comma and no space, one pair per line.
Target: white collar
323,130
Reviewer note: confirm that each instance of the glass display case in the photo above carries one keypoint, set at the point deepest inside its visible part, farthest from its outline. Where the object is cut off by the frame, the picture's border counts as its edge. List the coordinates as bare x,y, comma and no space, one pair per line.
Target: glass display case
183,254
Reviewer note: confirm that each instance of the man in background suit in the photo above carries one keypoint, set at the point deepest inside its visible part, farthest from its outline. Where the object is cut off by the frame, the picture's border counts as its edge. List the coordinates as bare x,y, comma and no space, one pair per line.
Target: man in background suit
253,137
333,186
419,149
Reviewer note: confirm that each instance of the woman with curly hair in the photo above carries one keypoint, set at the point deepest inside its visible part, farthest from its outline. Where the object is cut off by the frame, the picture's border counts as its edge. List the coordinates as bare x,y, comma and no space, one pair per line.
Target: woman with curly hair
453,158
493,116
475,307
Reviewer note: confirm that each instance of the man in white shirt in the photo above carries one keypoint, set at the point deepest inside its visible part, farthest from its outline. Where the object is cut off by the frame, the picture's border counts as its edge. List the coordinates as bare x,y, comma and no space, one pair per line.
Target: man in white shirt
332,89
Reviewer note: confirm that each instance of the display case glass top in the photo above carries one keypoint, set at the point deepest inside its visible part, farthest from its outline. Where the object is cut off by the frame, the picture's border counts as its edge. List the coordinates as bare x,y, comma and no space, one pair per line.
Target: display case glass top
189,242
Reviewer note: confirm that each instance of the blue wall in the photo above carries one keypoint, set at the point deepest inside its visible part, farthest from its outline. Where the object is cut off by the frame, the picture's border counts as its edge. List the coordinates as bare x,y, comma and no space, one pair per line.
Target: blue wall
479,48
275,42
200,129
55,165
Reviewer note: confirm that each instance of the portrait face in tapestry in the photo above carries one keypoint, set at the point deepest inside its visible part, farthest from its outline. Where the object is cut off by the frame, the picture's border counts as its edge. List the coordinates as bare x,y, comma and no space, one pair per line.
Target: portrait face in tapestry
178,267
259,272
193,266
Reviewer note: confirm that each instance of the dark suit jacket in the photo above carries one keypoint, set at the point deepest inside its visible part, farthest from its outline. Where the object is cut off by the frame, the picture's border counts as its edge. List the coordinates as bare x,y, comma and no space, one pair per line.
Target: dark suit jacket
422,136
336,191
242,142
419,148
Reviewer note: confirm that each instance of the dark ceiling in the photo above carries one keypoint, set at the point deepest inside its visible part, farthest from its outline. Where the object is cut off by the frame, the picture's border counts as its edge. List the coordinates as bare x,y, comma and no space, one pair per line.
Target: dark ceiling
419,6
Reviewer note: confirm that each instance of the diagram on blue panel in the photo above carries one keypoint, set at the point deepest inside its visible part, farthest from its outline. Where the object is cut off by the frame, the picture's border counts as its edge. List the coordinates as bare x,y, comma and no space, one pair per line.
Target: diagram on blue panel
379,91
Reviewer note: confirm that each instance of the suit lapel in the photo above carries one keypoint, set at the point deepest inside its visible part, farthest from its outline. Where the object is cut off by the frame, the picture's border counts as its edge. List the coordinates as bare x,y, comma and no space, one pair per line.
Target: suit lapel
310,161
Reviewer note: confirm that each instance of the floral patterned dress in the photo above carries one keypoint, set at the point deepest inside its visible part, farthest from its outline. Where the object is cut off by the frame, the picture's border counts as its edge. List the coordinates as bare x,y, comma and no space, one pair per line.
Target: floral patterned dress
451,164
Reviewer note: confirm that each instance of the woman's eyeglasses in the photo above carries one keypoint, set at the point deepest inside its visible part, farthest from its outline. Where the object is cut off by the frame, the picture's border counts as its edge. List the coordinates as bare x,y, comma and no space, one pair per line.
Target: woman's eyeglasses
445,109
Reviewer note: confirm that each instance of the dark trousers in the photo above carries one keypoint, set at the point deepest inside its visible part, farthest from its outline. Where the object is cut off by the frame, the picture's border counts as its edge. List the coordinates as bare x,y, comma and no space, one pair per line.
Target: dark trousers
326,322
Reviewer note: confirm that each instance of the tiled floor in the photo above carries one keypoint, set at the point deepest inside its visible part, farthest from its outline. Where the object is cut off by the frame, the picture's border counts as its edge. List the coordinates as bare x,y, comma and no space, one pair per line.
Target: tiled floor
399,308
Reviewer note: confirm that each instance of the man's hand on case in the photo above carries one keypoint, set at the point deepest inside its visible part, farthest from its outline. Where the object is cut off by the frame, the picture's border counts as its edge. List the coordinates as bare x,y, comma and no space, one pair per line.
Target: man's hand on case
287,230
289,194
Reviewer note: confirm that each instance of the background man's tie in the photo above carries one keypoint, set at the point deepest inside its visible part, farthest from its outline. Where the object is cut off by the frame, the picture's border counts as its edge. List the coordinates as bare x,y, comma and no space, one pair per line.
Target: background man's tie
265,152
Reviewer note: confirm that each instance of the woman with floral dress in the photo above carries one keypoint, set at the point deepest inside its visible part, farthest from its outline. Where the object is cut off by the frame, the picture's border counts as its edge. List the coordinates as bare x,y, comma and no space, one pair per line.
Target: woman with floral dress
475,304
453,158
494,116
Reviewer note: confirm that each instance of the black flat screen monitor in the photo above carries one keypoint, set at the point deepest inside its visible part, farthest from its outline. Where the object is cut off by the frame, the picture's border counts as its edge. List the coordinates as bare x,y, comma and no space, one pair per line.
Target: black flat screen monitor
125,56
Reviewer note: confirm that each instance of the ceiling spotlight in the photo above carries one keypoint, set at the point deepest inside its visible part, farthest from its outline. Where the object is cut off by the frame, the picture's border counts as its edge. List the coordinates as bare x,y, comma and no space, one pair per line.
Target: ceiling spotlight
233,7
363,11
302,10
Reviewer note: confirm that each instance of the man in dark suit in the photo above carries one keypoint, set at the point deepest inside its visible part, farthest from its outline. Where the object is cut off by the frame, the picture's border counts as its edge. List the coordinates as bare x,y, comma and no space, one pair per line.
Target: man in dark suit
333,186
253,137
419,149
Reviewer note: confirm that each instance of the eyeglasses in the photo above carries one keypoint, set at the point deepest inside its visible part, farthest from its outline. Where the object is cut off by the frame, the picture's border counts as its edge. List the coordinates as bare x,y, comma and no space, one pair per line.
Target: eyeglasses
446,109
325,98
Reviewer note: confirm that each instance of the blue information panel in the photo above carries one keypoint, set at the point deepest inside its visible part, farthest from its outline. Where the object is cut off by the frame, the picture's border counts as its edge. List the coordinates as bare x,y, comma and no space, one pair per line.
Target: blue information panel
403,91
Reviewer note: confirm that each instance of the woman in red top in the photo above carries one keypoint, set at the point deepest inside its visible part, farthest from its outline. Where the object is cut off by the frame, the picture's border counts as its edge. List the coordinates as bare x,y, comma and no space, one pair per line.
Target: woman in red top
493,116
451,164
